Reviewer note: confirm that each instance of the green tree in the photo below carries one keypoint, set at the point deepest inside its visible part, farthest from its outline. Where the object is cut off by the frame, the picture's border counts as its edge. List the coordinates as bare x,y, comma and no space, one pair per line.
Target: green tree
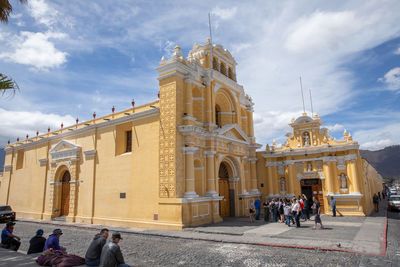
6,83
6,9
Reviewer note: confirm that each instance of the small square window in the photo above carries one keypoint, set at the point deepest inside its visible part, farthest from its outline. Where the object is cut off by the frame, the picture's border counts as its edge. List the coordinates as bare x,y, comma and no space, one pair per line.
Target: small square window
122,195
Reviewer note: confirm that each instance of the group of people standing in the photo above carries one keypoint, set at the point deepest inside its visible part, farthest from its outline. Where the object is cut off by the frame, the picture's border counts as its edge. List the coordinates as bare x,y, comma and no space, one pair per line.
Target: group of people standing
288,211
99,253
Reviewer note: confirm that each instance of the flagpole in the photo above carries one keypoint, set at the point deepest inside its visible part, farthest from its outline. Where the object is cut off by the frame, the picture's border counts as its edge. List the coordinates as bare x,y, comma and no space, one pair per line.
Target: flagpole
302,95
312,110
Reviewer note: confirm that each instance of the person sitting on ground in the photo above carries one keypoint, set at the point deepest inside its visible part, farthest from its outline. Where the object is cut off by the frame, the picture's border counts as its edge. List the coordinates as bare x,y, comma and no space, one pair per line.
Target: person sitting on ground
317,212
93,253
8,239
53,242
36,244
111,255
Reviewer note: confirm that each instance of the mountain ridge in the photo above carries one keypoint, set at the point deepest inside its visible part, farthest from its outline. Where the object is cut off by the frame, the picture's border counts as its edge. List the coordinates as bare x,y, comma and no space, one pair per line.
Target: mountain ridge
385,161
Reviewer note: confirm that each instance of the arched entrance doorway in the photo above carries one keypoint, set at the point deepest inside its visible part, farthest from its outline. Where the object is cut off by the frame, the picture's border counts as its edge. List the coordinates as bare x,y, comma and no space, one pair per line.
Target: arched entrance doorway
227,204
65,191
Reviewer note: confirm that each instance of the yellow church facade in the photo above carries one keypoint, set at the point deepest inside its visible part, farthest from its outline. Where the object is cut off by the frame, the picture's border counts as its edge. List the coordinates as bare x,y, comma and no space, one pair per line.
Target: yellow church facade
313,163
187,159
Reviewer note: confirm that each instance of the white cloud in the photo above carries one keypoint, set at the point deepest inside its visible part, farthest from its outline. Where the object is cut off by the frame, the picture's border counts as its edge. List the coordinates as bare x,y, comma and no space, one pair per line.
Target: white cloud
335,128
376,145
224,13
322,30
35,49
42,13
379,135
19,123
392,79
397,51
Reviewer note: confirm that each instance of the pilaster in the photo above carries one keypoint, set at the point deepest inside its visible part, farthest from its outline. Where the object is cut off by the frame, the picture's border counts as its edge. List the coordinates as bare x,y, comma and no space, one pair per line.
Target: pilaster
210,158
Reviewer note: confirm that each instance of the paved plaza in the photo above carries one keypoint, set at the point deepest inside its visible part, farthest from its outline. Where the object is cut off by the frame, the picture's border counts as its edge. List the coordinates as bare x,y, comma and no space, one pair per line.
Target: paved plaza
232,243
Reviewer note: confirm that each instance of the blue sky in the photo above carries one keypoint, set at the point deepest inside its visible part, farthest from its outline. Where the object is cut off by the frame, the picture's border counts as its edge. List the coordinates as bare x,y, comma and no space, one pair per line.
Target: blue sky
71,58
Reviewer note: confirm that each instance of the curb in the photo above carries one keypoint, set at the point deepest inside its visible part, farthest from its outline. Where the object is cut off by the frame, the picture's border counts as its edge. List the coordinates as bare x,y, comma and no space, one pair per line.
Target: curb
383,252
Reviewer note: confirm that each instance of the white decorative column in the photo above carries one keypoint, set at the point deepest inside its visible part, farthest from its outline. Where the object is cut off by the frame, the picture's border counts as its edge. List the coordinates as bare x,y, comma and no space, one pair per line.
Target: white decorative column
253,177
210,173
189,172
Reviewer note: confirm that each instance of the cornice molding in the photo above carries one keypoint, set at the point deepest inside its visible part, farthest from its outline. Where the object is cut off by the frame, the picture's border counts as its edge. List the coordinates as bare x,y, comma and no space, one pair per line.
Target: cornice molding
90,154
321,149
325,159
189,149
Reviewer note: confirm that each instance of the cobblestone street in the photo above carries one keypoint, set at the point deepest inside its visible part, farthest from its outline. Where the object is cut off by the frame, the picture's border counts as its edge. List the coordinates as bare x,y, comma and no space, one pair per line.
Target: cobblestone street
149,250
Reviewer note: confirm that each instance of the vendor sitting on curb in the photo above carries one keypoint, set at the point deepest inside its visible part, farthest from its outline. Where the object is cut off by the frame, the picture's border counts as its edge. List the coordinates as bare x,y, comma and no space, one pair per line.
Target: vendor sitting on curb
93,253
36,244
53,242
111,254
8,239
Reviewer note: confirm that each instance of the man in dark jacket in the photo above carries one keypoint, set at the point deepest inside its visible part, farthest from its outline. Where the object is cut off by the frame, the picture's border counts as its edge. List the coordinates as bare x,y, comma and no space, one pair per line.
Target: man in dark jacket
92,257
111,255
37,243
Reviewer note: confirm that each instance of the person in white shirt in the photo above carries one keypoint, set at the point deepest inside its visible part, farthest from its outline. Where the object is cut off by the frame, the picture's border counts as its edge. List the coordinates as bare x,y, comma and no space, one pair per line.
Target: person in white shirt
296,212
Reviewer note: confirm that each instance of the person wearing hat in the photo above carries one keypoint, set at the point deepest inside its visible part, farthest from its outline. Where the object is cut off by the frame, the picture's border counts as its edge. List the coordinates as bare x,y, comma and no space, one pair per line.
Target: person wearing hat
111,255
8,239
36,244
53,242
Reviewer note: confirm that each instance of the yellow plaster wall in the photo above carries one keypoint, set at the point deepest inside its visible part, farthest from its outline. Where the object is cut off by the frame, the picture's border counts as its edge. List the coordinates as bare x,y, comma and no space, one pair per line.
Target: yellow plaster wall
27,184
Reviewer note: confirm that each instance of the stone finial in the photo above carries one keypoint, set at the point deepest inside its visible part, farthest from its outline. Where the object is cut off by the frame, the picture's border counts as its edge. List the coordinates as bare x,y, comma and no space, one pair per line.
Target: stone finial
267,148
345,133
274,143
350,138
208,40
177,52
163,61
293,119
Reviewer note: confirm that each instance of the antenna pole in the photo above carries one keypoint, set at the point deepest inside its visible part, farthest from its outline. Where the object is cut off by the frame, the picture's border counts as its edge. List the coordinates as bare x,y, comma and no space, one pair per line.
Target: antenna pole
312,111
302,95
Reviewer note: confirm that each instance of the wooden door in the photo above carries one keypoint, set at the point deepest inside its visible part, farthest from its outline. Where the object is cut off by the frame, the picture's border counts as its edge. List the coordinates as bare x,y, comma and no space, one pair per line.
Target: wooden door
224,204
65,189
